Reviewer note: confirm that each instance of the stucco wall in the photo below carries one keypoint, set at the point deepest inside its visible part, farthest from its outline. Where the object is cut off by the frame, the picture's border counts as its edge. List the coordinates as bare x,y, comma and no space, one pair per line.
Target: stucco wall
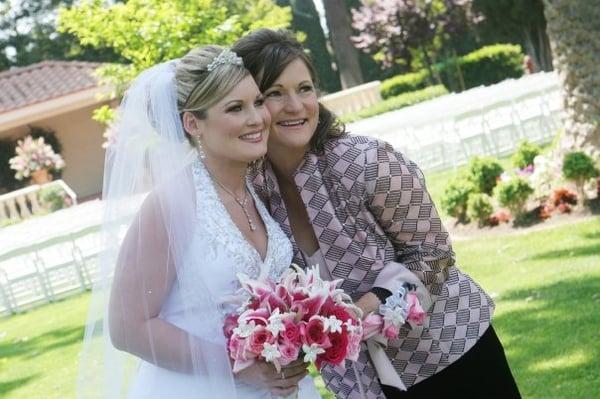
81,139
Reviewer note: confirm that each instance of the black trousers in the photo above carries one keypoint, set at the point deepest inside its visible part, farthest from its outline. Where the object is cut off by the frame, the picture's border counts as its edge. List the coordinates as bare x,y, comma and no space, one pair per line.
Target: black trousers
482,372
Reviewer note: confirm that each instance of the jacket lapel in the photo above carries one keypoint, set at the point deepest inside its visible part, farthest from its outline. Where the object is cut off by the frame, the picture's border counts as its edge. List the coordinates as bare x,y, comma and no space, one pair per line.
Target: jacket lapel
319,208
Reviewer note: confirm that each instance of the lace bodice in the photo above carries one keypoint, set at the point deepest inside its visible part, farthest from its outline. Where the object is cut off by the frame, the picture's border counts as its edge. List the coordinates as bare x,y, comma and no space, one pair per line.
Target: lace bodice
219,252
212,213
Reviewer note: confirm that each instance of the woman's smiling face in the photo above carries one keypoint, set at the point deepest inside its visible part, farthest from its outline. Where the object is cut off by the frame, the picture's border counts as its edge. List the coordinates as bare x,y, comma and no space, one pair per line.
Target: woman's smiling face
235,130
294,108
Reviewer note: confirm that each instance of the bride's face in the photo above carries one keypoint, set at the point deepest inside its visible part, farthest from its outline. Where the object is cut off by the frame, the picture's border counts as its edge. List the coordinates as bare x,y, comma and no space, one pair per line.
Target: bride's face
236,129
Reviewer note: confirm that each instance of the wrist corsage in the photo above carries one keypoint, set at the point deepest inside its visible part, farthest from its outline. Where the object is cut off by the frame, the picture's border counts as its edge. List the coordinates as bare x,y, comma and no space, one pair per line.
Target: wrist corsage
401,307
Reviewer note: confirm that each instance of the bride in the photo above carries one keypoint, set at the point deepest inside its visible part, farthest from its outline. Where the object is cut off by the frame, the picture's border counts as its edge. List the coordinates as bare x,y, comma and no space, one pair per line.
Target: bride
180,222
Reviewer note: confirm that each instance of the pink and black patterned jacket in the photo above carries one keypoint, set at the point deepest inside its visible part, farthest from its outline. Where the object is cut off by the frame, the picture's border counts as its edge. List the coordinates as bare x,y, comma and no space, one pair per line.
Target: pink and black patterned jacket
376,225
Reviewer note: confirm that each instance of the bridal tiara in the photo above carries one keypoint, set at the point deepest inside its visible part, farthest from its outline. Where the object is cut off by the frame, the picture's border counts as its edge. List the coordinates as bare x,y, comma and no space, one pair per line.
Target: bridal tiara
225,57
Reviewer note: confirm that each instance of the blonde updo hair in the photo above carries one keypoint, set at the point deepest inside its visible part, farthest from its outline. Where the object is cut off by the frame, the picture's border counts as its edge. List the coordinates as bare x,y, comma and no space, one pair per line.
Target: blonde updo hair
198,88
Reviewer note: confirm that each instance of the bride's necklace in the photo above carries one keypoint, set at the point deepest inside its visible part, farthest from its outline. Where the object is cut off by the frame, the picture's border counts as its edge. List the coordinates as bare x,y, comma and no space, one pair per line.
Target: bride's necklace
241,202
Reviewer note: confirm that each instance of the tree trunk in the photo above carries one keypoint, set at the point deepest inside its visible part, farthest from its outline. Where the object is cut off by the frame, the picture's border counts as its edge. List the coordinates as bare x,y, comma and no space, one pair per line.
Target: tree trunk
537,47
306,19
545,53
574,31
340,31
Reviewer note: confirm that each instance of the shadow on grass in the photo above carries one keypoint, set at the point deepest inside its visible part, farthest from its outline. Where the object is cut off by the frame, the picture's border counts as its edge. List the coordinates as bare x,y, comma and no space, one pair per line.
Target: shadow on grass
7,386
586,250
551,341
34,346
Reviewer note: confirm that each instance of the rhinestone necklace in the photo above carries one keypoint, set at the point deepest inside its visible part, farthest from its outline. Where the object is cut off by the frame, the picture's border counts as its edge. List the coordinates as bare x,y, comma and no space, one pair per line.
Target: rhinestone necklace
241,202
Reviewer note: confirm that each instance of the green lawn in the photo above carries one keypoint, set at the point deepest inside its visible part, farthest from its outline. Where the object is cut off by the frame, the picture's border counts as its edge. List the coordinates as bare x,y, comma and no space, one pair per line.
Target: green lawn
546,285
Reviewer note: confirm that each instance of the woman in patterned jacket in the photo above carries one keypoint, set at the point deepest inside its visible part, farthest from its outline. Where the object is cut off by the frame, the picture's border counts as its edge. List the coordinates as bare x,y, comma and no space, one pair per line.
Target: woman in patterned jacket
361,211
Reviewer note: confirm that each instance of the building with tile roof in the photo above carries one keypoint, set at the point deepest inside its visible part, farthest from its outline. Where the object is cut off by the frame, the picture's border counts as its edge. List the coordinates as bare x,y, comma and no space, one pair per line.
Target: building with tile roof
59,96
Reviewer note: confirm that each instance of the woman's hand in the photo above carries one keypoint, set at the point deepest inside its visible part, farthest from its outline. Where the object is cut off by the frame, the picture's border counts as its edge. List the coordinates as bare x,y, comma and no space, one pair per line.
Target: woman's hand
368,303
264,374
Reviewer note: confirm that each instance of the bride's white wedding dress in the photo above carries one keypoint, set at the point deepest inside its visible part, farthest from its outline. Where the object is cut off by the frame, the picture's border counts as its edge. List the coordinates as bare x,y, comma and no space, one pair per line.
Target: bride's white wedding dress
226,253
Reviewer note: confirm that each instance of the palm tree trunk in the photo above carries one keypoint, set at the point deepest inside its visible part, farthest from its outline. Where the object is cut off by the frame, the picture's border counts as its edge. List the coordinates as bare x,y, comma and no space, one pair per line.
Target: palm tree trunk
574,31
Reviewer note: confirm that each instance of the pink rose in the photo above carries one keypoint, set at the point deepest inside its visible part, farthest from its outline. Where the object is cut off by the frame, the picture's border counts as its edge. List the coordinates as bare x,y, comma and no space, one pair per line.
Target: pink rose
236,348
337,351
291,333
229,325
341,313
328,306
353,346
314,333
390,331
289,352
416,313
372,325
257,339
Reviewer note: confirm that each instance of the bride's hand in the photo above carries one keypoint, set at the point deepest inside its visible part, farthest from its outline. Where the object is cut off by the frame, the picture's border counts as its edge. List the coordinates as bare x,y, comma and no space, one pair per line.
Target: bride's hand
281,384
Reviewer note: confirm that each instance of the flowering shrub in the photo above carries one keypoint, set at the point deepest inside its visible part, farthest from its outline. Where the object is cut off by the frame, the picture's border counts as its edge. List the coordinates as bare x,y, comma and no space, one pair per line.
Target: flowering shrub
32,155
579,168
564,208
480,208
499,217
484,172
455,198
55,198
563,196
525,154
543,212
513,194
546,175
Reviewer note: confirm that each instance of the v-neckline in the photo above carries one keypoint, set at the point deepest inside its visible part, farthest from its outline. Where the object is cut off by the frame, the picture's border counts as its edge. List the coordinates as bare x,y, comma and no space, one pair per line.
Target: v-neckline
239,232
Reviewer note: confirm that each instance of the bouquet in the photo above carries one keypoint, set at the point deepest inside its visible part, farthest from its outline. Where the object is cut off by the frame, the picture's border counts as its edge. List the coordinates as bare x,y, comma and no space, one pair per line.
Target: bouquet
400,308
299,317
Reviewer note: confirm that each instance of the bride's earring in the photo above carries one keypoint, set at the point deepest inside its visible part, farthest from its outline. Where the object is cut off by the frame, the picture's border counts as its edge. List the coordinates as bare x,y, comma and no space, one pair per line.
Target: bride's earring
198,144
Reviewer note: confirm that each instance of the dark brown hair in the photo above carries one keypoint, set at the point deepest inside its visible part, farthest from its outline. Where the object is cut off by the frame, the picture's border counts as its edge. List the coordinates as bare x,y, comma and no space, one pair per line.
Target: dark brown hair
266,53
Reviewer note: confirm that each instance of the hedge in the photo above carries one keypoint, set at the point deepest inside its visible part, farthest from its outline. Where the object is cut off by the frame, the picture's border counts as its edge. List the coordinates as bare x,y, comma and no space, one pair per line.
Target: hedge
404,83
394,103
486,66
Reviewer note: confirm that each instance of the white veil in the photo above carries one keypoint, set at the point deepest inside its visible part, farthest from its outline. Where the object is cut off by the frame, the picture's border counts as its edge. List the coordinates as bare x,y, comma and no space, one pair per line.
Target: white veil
148,165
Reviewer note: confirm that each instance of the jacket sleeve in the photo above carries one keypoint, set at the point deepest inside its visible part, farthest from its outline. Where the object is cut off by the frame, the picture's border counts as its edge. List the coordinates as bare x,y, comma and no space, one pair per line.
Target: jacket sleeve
397,197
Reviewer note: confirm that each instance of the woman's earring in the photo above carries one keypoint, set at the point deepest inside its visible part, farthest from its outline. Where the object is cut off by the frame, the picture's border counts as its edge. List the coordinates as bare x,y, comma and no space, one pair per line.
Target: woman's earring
198,144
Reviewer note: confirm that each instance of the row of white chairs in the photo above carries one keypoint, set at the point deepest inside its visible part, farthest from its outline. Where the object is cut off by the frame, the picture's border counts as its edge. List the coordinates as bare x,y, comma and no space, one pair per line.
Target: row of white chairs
46,272
488,120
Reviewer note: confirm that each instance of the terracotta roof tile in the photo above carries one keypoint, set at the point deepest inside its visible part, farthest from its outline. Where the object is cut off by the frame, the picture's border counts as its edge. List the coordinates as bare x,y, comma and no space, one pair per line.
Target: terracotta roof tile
20,87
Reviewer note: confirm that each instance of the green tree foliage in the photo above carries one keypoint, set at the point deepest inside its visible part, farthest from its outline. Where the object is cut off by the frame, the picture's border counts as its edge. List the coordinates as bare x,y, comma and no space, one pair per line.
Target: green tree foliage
513,194
483,172
488,65
480,208
579,168
525,154
305,19
147,32
516,21
28,34
409,32
456,198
